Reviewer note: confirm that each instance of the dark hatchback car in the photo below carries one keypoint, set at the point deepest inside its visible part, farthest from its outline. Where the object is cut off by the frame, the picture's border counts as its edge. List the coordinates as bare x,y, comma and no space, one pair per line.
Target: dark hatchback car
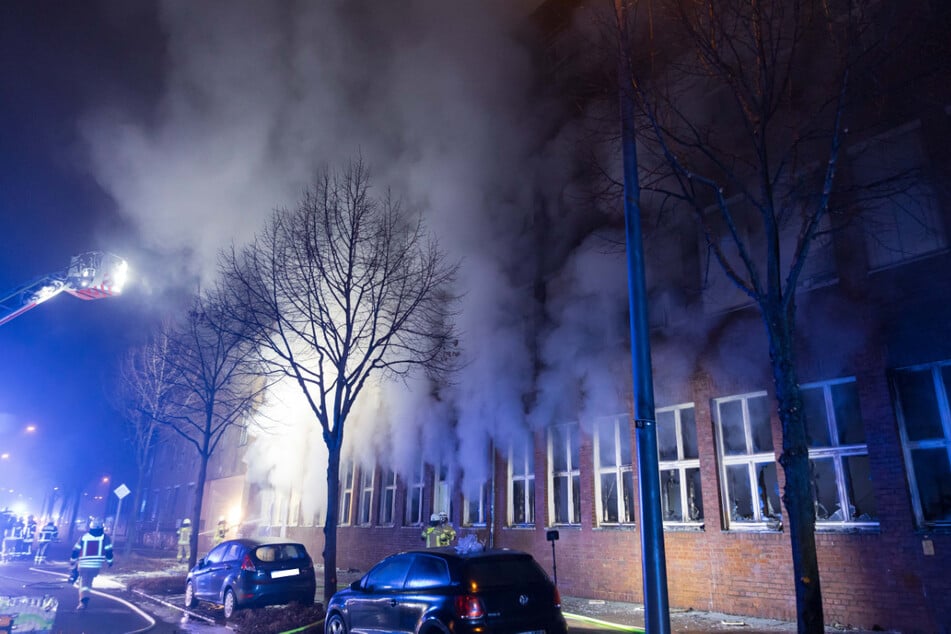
243,573
440,590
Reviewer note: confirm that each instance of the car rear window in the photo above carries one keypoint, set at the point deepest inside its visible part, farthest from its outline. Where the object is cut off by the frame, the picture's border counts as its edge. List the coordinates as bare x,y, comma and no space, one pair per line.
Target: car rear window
493,573
280,552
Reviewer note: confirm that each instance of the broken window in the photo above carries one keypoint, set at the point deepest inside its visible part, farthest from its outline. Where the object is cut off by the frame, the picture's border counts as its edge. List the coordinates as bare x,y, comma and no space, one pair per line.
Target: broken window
565,474
442,498
366,497
615,483
414,496
346,492
388,498
745,446
838,454
521,484
925,428
680,493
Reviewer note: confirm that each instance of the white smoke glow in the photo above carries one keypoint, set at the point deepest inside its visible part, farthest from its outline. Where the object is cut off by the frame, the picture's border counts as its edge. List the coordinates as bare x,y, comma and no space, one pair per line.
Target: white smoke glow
437,99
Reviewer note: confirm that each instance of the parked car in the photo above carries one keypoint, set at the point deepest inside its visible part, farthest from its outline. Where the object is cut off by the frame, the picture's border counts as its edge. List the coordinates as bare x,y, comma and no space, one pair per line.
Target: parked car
242,573
440,590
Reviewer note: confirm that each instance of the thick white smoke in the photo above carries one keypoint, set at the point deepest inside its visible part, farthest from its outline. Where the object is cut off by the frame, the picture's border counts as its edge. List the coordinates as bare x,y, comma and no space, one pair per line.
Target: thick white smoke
437,97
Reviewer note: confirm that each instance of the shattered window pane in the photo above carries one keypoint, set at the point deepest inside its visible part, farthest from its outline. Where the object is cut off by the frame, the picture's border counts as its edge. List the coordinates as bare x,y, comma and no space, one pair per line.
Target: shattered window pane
817,421
848,417
760,426
518,502
740,494
670,495
609,498
667,435
858,476
688,427
768,487
694,496
826,491
919,405
733,429
933,479
560,496
628,479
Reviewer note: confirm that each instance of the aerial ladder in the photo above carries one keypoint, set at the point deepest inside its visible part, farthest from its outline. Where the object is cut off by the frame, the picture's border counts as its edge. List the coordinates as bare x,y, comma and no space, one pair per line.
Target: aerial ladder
91,275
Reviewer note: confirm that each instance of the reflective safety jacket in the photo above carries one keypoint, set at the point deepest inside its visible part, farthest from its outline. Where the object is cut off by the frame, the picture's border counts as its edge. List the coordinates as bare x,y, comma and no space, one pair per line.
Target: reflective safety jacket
48,533
184,535
92,550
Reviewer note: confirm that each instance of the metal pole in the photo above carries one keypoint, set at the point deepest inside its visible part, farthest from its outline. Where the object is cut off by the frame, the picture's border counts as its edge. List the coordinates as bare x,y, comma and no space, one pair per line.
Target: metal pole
653,560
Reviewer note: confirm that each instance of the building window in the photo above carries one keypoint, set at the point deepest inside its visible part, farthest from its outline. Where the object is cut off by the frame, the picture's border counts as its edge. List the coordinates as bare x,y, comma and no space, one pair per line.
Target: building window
476,508
614,486
366,497
388,498
900,213
564,500
414,496
748,462
521,485
346,492
838,454
442,496
677,448
925,428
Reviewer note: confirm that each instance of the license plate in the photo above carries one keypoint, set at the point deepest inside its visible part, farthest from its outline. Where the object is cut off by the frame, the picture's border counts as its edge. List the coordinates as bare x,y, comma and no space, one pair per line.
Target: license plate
277,574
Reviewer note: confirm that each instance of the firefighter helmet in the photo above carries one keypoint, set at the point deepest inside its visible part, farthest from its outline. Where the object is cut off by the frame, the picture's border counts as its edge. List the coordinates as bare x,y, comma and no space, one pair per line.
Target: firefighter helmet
95,522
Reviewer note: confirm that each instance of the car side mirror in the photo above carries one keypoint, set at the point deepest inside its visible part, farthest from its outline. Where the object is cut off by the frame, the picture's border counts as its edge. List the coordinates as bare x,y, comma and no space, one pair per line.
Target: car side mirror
201,562
356,585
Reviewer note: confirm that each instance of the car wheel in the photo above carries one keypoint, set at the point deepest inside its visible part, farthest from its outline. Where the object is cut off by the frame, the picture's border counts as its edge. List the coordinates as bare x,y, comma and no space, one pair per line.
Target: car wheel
190,600
335,625
230,603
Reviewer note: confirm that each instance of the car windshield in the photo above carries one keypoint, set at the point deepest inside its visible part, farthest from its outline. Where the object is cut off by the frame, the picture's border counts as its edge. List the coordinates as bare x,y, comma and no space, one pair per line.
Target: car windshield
280,552
493,573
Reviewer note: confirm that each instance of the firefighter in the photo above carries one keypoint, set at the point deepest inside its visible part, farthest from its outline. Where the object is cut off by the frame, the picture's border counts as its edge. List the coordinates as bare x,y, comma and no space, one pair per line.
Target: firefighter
439,532
89,554
221,532
29,535
48,535
184,540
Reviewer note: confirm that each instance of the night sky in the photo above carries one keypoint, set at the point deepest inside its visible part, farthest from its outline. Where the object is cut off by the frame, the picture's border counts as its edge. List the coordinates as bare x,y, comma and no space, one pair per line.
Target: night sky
57,61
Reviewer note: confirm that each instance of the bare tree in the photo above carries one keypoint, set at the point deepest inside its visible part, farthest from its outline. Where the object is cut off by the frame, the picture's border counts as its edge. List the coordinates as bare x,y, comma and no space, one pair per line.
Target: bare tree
144,397
744,119
341,288
216,380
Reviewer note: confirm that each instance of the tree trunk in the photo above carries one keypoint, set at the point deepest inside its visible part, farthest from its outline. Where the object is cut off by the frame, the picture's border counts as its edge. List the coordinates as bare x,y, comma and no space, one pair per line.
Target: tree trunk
797,494
330,526
196,513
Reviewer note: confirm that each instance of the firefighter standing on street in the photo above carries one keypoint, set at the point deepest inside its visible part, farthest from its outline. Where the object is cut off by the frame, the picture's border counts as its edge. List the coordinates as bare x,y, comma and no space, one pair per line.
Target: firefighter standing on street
89,554
439,532
48,534
184,540
221,532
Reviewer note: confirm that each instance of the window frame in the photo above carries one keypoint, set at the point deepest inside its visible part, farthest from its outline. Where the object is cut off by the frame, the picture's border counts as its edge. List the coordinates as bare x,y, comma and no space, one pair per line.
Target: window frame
522,455
366,499
621,425
415,487
681,465
346,494
388,484
943,402
837,452
751,459
571,474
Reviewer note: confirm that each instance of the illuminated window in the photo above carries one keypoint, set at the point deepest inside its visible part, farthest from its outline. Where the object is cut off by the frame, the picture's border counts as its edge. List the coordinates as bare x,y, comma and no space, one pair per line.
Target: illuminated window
925,428
476,508
388,498
838,454
366,497
748,462
346,492
442,498
414,496
680,492
521,485
614,486
564,500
